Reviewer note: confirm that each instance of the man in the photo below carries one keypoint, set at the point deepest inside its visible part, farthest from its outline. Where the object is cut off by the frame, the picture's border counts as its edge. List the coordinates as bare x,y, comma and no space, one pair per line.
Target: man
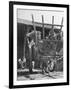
31,43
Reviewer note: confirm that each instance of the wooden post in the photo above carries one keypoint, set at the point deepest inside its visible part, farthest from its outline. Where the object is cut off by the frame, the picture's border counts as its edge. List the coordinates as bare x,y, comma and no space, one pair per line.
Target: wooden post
34,30
33,23
61,23
24,44
25,40
52,22
30,61
43,26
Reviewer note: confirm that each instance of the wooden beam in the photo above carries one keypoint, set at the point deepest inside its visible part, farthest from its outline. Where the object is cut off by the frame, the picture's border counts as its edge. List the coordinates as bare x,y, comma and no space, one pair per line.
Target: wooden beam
61,24
43,27
34,30
52,22
38,23
33,23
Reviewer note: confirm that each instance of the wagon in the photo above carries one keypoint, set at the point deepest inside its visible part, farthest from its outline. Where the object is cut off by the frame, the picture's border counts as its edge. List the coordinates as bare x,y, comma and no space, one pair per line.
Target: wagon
47,50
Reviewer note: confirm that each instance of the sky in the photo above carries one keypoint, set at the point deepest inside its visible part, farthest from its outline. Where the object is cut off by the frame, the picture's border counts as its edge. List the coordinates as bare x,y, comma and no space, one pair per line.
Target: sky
27,15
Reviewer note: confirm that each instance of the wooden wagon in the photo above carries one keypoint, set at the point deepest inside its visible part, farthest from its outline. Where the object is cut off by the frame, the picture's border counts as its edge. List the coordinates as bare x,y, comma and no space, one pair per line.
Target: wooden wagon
47,50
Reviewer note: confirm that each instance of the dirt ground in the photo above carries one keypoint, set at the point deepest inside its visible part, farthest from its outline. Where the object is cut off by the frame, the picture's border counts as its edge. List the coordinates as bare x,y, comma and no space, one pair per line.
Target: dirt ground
37,75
